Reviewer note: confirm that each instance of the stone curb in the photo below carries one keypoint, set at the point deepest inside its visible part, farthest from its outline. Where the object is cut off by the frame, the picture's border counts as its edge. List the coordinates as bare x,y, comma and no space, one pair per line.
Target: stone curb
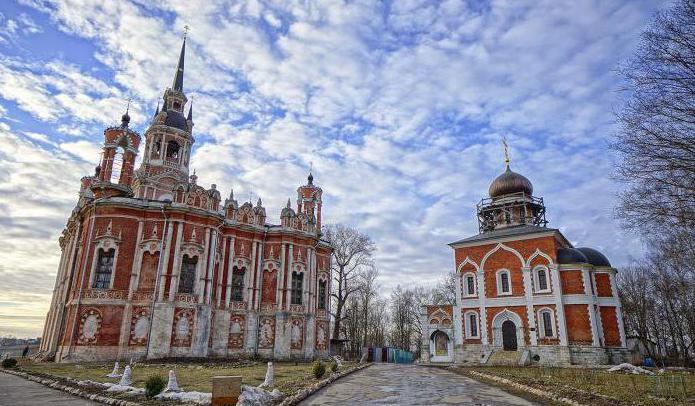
305,393
69,389
526,388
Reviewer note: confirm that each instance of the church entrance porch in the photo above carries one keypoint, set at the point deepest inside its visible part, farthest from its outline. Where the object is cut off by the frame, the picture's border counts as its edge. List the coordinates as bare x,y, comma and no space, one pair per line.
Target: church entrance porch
508,331
509,336
441,348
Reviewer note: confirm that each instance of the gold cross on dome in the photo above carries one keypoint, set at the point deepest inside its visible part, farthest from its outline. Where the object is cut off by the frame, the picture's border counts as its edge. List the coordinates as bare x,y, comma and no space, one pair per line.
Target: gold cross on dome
506,152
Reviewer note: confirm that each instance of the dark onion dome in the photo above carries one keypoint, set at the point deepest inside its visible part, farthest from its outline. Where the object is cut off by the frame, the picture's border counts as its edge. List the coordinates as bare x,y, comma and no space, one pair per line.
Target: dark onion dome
595,257
176,120
571,256
510,182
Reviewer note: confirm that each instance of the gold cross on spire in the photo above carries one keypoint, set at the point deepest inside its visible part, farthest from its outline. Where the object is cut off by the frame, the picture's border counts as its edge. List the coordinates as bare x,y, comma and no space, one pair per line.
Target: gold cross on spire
506,152
185,31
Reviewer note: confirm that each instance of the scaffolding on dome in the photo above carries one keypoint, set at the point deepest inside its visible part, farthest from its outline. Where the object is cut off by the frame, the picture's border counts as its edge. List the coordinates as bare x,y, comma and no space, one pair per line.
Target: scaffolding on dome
511,209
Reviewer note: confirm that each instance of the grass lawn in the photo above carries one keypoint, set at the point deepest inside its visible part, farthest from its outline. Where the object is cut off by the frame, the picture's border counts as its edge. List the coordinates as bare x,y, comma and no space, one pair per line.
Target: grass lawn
582,385
289,378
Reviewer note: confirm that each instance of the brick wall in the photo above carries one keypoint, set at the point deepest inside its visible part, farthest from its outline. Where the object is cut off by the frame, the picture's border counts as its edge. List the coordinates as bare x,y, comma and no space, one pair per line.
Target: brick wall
609,321
578,324
603,285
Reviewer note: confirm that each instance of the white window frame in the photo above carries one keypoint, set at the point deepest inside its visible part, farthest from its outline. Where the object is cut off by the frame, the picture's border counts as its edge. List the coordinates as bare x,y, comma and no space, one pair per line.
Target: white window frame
536,279
499,282
467,322
541,325
465,284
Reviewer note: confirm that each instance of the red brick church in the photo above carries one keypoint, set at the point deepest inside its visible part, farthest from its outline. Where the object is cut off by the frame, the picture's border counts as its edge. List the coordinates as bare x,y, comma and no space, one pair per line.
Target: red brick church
155,265
524,293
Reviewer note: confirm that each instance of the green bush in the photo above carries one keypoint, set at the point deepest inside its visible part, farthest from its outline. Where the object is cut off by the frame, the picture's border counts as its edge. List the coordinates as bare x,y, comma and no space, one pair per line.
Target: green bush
9,363
334,366
154,385
319,369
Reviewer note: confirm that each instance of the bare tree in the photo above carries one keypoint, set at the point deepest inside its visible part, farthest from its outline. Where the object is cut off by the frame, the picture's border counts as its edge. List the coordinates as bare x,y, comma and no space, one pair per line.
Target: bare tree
405,305
656,141
445,291
352,254
658,296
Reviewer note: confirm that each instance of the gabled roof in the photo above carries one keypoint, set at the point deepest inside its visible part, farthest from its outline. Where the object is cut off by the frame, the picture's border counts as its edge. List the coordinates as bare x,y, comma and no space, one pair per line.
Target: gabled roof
508,232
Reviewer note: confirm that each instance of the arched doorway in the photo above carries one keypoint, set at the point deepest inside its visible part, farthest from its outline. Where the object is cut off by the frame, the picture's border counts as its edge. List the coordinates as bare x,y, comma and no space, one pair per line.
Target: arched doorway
509,342
440,347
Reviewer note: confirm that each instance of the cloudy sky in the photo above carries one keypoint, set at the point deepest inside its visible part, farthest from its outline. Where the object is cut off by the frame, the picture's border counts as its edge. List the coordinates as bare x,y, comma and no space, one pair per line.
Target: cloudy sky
400,105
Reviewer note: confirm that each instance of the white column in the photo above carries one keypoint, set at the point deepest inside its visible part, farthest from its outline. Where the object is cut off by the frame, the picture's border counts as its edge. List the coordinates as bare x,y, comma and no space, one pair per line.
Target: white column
134,276
176,269
559,308
212,253
483,311
259,275
458,317
618,308
252,280
289,275
281,277
530,314
230,268
202,268
591,308
165,262
221,271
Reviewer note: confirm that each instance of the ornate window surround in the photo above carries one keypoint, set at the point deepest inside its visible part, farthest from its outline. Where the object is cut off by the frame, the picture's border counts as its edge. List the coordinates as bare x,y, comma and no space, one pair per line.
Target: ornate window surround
498,277
467,321
541,326
242,262
536,279
464,279
105,241
192,249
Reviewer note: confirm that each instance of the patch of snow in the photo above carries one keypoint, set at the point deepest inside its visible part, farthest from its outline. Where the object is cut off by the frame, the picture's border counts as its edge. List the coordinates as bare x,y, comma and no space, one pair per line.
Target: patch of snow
625,367
130,390
199,398
338,360
253,396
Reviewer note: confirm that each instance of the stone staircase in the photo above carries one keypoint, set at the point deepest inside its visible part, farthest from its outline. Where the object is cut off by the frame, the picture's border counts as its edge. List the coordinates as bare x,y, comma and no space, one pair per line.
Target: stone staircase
505,358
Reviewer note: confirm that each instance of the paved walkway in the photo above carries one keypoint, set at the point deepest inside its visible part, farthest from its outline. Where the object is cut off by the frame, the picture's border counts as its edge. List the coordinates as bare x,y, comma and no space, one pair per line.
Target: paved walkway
18,391
393,384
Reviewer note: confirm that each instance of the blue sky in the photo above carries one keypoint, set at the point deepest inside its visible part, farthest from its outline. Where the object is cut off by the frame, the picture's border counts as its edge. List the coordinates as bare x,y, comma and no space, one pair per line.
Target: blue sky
400,105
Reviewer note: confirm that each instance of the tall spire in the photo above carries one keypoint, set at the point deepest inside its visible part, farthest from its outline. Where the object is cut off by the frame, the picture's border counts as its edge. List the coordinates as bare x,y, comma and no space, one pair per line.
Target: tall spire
178,77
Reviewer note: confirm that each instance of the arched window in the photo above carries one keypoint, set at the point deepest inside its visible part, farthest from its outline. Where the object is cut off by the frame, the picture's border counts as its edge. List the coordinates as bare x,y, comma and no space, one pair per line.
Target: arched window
504,285
547,326
156,148
173,150
296,288
102,277
540,275
238,284
471,322
187,277
322,294
117,165
469,284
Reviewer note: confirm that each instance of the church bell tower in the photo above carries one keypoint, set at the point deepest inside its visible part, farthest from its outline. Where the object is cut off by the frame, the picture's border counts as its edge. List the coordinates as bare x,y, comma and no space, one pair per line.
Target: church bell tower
168,142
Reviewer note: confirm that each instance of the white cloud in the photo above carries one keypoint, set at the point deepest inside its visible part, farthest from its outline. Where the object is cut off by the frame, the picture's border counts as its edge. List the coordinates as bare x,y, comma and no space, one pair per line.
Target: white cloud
401,108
